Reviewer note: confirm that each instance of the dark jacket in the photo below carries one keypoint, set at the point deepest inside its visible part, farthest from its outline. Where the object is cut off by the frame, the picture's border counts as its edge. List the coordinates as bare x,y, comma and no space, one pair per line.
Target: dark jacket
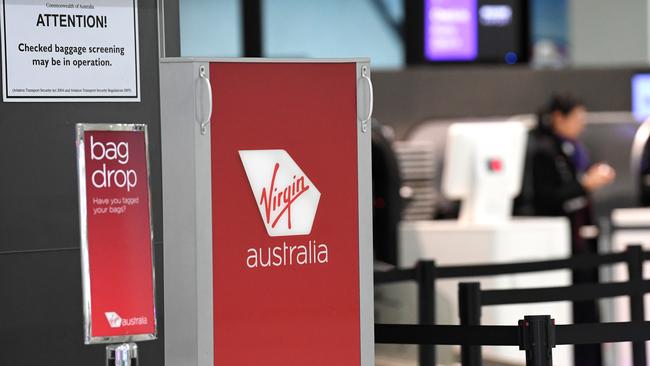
387,202
552,184
552,188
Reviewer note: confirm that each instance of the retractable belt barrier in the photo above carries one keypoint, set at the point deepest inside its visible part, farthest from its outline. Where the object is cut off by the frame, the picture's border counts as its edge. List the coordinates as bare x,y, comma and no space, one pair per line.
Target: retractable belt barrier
584,261
508,335
582,292
471,335
424,274
522,335
471,298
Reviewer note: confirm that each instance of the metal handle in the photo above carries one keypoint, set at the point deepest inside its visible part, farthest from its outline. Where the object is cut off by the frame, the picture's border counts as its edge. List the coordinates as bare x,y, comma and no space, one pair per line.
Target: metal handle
364,76
207,89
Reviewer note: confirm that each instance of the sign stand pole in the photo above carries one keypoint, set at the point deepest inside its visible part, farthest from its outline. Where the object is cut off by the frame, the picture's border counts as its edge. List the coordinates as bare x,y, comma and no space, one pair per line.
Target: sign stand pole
122,354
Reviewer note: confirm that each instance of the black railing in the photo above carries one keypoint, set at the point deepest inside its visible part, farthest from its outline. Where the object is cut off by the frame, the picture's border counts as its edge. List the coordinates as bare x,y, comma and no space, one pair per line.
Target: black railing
470,316
424,274
536,335
471,298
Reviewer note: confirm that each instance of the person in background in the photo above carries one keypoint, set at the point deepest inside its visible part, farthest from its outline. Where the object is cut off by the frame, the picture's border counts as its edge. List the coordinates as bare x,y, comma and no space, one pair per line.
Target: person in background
387,200
559,180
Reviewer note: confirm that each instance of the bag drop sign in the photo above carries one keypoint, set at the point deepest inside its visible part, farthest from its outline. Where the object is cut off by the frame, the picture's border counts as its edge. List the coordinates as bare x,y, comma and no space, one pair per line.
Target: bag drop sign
107,178
116,236
70,50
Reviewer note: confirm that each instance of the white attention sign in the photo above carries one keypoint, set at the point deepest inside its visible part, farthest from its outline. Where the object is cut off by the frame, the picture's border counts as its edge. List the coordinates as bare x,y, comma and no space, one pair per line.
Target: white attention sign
70,51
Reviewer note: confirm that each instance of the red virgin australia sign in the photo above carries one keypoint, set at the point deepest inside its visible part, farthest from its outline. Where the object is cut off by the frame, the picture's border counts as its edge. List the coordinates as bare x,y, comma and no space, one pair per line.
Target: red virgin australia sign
116,237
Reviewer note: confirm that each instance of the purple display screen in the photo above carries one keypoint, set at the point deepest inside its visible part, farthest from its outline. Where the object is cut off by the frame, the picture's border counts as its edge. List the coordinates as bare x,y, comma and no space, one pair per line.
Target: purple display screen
450,30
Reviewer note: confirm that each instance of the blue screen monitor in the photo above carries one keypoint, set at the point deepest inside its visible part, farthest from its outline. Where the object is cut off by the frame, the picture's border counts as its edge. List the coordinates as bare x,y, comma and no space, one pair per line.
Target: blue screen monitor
641,96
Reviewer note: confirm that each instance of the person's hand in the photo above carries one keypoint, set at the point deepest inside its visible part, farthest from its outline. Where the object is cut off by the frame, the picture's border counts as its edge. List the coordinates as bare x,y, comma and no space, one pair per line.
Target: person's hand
598,176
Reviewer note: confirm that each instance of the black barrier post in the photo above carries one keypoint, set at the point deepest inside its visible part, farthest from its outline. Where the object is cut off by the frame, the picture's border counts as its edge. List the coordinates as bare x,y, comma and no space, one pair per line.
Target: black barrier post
537,338
635,274
469,310
426,277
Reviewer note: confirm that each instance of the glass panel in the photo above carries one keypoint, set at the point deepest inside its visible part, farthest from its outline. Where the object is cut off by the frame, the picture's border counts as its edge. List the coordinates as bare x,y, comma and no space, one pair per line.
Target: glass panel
334,28
210,28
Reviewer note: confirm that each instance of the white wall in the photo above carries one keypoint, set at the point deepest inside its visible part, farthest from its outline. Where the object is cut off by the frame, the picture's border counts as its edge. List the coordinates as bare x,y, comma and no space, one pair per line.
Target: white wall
609,32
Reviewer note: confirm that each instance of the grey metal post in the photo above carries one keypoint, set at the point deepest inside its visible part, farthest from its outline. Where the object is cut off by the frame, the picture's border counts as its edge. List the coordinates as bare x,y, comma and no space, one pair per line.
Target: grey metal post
122,355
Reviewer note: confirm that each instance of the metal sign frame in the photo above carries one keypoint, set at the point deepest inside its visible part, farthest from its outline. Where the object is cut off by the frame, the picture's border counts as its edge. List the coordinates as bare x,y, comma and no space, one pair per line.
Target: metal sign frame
83,228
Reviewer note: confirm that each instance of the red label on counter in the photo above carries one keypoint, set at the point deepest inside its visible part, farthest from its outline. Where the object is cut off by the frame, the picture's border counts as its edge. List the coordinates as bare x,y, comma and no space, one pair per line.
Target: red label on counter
117,254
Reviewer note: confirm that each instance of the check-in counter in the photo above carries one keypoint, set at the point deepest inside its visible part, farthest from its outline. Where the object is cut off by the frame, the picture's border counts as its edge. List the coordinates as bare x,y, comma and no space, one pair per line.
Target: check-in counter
629,226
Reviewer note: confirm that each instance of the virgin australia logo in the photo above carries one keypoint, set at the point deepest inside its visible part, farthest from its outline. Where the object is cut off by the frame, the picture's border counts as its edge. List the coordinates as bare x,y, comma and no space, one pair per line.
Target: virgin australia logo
286,198
114,320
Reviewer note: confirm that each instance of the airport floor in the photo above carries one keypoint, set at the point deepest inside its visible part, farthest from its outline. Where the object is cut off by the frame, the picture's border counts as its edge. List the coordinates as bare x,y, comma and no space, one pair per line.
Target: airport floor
396,356
392,361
